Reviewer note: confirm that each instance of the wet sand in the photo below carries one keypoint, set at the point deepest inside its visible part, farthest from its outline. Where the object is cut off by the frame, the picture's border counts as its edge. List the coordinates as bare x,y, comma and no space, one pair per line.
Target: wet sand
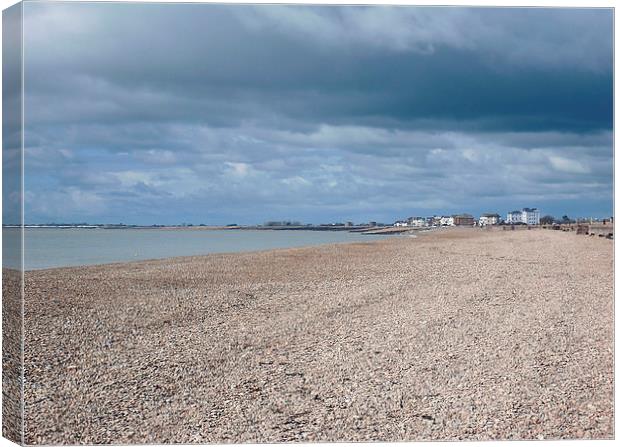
457,334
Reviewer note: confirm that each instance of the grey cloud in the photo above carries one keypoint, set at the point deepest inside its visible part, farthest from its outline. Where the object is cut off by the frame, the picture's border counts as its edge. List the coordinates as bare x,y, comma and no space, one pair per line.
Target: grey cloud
541,37
314,112
223,65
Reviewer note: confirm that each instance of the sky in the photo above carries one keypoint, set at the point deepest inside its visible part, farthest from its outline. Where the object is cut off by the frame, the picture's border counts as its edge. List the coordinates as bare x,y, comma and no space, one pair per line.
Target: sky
218,114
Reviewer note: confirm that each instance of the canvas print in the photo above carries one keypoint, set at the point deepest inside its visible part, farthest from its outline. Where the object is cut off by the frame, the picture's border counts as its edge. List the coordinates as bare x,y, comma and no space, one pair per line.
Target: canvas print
228,223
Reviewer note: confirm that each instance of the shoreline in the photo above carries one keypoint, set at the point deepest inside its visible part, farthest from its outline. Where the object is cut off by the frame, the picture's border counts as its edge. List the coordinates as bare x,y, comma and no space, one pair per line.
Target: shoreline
200,256
362,229
308,227
460,334
224,252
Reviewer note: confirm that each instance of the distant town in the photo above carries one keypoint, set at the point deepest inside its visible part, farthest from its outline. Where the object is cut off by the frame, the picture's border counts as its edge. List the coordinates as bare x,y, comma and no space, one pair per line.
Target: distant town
525,216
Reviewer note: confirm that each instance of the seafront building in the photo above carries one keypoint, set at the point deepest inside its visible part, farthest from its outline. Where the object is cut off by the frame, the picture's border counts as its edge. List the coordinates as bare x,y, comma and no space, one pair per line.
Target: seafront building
513,217
416,222
488,219
527,216
531,216
435,221
446,221
463,220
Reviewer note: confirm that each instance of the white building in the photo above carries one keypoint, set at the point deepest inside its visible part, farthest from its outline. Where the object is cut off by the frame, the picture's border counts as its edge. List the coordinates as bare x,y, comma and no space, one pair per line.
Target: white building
528,216
401,223
488,219
435,221
513,217
446,221
417,221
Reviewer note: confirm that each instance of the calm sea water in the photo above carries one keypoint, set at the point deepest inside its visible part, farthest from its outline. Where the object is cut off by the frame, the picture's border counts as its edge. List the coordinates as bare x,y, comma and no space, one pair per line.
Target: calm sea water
52,247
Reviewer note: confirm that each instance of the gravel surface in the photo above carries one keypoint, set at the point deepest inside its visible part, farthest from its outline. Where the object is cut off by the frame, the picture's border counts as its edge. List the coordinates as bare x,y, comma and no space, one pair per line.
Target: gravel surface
11,354
457,334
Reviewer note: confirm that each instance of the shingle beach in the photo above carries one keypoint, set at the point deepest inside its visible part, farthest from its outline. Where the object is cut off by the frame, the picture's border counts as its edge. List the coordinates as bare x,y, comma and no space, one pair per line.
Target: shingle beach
456,334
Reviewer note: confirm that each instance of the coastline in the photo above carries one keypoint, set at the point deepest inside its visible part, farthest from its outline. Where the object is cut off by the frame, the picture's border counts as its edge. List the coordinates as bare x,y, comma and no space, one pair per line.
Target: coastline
460,334
197,258
74,248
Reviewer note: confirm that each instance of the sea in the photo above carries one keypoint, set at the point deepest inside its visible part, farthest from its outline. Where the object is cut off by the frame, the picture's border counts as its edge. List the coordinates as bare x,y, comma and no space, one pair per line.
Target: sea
64,247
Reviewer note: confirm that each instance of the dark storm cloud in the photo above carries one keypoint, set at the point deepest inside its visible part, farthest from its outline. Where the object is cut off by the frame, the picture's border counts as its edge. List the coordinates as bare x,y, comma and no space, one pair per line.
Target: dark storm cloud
217,64
235,112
